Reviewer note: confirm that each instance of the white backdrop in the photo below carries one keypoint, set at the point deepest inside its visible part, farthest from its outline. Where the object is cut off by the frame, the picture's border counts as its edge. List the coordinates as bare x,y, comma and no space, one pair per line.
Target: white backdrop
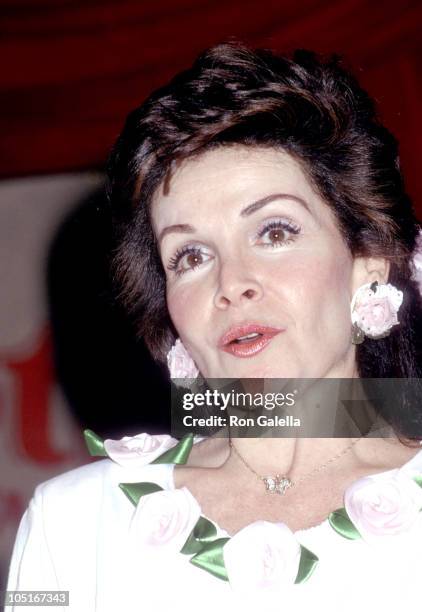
38,438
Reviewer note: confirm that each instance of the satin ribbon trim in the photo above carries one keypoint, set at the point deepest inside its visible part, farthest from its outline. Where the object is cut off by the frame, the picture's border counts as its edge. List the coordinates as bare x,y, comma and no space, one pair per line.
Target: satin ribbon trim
207,550
94,443
135,490
340,522
307,564
203,532
211,559
178,454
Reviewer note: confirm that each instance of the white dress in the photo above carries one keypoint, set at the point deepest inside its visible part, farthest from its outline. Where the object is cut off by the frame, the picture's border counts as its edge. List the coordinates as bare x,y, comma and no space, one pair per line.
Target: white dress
79,534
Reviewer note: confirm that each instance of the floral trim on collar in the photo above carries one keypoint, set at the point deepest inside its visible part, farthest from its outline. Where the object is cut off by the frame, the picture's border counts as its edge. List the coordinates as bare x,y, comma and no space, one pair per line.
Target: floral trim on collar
263,555
380,507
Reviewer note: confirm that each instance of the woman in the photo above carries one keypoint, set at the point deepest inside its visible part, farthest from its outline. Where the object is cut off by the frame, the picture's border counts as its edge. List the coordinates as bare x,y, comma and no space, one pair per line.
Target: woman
263,232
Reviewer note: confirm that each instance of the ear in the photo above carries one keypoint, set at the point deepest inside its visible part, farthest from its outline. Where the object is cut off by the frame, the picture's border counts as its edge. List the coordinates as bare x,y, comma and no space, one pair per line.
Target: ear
369,269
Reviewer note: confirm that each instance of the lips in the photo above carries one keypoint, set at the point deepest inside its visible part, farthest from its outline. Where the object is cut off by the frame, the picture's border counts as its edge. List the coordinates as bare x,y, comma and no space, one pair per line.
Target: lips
247,347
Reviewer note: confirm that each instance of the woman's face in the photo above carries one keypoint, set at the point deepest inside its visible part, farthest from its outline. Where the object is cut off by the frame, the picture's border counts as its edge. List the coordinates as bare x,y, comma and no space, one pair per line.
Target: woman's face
244,239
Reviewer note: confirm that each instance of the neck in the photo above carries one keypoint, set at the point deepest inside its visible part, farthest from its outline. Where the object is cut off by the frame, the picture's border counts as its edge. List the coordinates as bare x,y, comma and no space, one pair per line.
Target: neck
296,457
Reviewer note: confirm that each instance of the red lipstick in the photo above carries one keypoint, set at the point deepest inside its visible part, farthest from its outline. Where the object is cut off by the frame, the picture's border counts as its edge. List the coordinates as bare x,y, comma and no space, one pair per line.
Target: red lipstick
236,341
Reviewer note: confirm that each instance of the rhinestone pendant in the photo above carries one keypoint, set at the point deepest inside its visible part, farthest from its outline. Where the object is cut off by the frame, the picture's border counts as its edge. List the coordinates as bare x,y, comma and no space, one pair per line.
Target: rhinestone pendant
277,484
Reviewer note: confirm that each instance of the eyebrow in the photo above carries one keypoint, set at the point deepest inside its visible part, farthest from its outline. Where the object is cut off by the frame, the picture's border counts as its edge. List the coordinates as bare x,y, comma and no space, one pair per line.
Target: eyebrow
186,228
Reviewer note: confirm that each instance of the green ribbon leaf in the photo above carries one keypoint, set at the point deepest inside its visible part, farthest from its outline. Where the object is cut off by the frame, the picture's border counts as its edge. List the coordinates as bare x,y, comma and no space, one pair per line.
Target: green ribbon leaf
307,564
203,532
135,490
340,522
94,443
418,479
210,558
179,453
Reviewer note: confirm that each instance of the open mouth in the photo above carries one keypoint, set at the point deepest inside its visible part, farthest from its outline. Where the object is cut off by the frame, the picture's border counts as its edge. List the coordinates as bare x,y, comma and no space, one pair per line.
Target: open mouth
250,344
246,339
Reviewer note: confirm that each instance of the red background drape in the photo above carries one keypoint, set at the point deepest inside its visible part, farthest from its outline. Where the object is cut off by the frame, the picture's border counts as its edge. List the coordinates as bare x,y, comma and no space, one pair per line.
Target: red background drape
72,70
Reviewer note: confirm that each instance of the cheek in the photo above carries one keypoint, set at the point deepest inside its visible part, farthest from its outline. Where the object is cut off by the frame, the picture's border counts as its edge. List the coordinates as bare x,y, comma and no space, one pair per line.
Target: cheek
327,299
316,287
183,306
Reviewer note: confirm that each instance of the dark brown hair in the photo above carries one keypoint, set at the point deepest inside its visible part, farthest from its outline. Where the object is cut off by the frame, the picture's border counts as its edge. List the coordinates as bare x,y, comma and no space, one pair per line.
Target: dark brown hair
308,106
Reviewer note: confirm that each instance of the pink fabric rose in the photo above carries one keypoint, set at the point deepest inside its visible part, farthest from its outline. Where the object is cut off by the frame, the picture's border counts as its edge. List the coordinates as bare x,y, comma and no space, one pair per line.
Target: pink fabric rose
262,556
165,519
376,312
385,505
180,363
138,450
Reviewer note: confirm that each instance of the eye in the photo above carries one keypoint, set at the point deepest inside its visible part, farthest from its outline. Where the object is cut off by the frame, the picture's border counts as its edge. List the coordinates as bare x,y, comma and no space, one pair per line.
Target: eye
193,257
279,232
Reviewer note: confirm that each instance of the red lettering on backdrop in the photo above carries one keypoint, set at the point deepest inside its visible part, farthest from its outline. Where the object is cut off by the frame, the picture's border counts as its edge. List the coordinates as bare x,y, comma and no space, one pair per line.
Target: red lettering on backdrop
34,379
11,507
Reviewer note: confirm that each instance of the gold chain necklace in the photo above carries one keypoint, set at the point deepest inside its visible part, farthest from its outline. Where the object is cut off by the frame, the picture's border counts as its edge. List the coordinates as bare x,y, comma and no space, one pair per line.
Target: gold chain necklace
280,484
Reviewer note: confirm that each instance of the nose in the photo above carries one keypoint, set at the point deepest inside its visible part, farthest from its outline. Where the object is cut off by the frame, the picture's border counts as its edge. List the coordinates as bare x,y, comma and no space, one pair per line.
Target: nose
236,284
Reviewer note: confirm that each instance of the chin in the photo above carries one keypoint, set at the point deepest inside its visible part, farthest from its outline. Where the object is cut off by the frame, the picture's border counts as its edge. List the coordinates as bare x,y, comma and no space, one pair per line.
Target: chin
262,372
258,371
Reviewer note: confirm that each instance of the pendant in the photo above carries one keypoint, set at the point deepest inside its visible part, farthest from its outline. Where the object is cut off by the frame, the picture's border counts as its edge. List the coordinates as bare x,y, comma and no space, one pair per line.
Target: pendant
278,484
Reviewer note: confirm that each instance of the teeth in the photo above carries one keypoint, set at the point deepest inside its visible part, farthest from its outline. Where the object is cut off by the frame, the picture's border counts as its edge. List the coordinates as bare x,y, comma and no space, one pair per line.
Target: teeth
253,335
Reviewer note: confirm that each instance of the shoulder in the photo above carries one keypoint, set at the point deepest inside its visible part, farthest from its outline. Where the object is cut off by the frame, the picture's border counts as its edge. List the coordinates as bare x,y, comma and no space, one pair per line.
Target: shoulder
84,481
83,509
74,529
92,488
80,479
96,485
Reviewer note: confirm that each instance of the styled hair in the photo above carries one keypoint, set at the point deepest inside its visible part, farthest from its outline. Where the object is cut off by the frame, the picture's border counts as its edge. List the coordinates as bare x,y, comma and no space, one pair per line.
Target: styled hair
308,106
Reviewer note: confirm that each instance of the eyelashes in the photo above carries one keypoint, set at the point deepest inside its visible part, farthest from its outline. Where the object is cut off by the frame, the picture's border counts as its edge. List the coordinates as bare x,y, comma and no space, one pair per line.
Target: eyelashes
173,263
276,226
286,226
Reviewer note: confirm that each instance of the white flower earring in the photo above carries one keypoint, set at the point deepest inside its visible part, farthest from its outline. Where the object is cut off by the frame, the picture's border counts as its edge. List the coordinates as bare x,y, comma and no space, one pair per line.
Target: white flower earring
416,263
374,311
180,363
